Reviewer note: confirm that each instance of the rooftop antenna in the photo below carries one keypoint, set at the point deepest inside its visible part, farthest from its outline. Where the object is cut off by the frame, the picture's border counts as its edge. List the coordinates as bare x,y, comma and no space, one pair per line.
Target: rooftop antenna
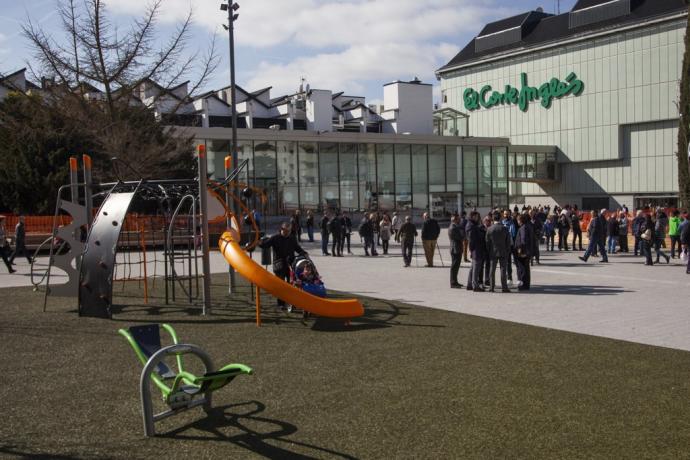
301,83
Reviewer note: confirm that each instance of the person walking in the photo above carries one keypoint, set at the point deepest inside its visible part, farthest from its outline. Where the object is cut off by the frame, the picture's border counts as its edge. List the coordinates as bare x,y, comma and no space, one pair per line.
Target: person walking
366,231
636,224
456,236
612,233
335,228
477,248
596,230
385,228
498,247
430,232
673,232
660,236
524,244
20,242
408,233
396,223
538,228
347,231
310,225
284,247
575,227
647,239
324,234
4,246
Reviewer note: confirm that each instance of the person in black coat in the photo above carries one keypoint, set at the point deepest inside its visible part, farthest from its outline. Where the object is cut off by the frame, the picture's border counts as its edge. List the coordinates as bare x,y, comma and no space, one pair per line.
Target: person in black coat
612,232
477,248
335,228
575,227
524,247
324,234
347,232
20,242
366,231
563,230
284,247
597,233
636,224
456,236
498,247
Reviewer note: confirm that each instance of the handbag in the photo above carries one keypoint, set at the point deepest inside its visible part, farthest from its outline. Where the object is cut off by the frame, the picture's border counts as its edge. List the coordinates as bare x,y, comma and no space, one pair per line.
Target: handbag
647,235
684,256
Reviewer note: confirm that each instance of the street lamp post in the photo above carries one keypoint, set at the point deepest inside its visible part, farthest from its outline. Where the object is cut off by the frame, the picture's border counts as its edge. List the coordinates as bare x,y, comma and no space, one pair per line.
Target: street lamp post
231,7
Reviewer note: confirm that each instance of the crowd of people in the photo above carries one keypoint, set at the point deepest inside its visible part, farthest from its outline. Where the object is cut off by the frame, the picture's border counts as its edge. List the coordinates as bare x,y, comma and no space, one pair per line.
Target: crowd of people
508,240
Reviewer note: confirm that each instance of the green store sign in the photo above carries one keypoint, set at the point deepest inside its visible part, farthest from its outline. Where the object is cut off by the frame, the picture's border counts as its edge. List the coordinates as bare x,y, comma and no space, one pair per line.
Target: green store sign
554,88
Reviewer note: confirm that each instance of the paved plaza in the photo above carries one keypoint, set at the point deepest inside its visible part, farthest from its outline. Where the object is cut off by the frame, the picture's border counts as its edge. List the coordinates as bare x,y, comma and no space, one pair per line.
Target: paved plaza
621,300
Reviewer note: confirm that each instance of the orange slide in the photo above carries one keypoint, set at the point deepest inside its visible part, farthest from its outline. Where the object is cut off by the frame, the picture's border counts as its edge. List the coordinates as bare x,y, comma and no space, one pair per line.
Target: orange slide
255,273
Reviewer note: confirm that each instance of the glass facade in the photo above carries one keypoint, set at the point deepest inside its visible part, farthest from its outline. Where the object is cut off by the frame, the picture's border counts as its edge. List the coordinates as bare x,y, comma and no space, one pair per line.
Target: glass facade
385,176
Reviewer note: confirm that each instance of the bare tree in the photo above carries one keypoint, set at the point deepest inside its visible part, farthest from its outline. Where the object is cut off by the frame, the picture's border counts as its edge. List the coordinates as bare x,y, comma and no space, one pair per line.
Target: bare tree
92,56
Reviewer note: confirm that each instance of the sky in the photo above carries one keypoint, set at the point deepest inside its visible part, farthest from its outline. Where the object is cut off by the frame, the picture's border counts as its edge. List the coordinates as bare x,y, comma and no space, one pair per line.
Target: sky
355,46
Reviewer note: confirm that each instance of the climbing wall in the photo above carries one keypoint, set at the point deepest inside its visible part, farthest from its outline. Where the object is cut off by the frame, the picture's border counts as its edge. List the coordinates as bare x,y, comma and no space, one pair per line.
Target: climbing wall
98,261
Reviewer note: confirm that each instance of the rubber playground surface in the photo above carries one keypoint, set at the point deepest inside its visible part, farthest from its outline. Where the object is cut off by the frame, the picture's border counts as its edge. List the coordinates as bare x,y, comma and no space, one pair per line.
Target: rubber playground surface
401,382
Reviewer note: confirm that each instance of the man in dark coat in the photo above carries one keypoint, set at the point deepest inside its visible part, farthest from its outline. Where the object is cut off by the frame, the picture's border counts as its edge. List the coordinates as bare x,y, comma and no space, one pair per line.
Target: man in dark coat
597,232
636,224
430,232
498,247
563,230
324,234
465,243
524,247
408,233
477,247
575,226
284,247
20,242
335,228
366,231
456,236
347,231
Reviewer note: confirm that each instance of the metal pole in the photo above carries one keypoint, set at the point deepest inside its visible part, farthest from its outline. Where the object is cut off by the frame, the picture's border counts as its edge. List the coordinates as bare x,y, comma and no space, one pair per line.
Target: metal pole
233,107
203,199
88,192
74,179
231,204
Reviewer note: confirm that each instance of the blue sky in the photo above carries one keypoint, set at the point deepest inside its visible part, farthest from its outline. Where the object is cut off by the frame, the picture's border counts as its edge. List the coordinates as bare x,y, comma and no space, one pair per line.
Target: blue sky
344,45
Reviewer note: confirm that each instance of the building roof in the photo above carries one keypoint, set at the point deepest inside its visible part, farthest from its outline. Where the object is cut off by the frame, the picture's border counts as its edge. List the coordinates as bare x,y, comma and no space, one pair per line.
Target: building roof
509,23
554,28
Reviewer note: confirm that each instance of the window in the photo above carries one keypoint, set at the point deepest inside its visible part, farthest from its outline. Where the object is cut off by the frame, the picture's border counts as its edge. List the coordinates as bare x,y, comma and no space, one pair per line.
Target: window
403,177
437,168
366,164
420,192
308,174
484,183
385,176
328,173
288,190
348,177
264,159
469,170
453,168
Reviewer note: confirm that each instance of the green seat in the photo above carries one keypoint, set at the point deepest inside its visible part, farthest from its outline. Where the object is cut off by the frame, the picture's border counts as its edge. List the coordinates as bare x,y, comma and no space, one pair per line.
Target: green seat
181,390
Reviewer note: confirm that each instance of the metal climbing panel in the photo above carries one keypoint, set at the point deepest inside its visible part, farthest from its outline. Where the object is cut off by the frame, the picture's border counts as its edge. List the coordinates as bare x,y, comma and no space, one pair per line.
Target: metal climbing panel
98,261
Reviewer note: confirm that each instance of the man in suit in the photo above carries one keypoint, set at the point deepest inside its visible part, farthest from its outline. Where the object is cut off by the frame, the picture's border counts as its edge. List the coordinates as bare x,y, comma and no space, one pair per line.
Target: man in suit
524,248
498,247
477,247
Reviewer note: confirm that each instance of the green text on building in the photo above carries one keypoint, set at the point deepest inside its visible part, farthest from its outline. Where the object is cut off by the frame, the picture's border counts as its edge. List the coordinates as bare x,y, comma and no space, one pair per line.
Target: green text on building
554,88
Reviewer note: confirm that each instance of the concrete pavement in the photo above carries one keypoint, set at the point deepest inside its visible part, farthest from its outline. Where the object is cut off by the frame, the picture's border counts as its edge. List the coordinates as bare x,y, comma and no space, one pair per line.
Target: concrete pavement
621,300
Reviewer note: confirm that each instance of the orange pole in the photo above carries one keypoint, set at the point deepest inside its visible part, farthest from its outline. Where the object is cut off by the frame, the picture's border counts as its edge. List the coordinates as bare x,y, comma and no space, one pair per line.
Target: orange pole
258,305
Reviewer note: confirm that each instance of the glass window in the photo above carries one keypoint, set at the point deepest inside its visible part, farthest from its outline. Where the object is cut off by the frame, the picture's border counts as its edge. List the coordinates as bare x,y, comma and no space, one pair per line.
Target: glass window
264,159
216,151
484,183
308,174
245,151
385,176
437,168
328,174
367,176
403,177
453,168
420,191
288,189
469,171
499,188
348,177
531,165
541,166
520,166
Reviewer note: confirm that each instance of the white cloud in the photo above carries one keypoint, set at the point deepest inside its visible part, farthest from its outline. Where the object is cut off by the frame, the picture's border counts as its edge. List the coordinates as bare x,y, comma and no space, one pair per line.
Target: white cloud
341,44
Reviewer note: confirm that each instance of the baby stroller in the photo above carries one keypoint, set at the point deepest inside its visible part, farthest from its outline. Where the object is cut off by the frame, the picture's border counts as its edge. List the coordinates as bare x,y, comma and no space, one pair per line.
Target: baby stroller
303,275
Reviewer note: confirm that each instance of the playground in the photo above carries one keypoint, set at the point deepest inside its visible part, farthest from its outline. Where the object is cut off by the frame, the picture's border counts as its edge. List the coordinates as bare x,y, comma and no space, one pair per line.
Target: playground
364,377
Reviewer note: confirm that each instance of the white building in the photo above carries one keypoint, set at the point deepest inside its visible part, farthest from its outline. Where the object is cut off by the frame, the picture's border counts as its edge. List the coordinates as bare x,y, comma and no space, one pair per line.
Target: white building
600,83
